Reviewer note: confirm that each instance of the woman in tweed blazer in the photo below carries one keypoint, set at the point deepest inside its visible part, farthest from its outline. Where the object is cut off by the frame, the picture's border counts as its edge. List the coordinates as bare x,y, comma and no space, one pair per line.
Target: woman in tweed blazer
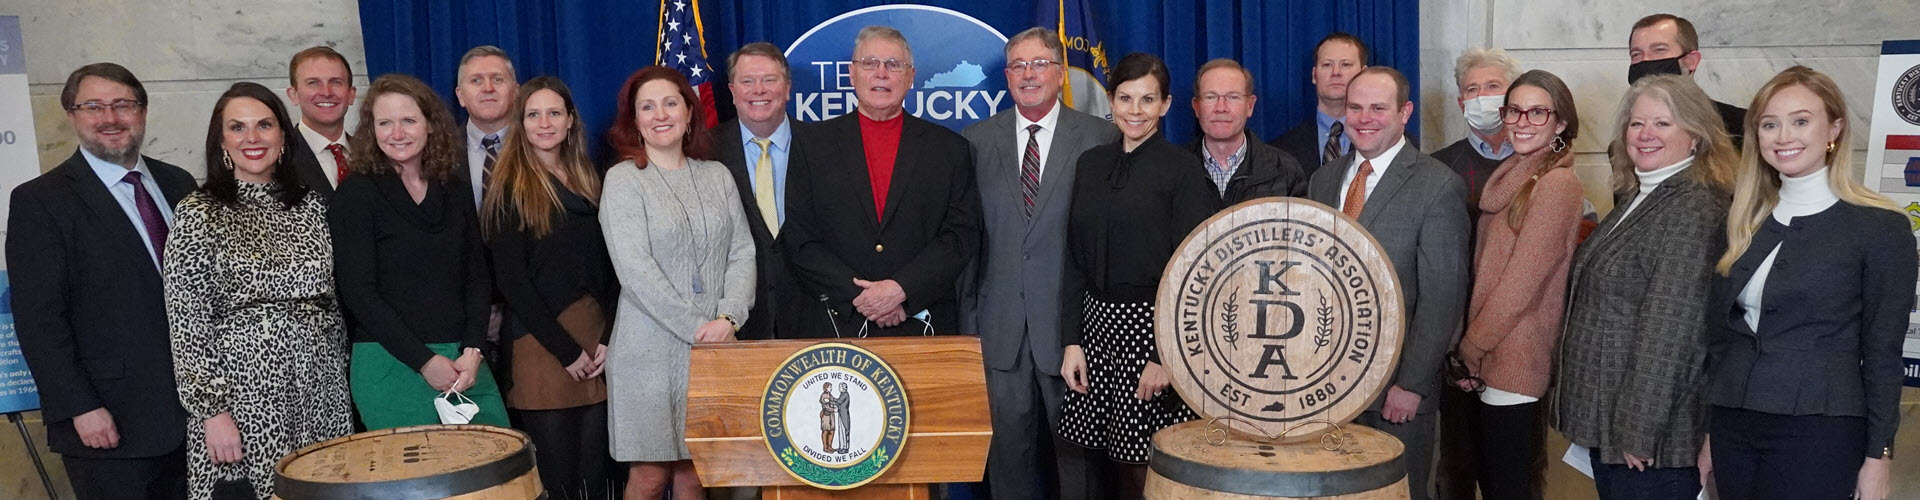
1633,354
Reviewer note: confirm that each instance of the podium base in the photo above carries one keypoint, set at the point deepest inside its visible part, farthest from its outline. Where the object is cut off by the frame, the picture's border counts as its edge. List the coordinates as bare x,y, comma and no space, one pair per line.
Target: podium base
868,492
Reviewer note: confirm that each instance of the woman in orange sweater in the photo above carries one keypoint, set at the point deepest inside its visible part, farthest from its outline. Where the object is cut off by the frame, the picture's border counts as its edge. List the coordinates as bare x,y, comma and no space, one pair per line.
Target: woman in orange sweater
1532,207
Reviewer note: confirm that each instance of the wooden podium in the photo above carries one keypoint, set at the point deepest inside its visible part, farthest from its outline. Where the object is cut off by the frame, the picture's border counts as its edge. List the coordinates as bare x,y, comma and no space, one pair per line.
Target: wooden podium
946,441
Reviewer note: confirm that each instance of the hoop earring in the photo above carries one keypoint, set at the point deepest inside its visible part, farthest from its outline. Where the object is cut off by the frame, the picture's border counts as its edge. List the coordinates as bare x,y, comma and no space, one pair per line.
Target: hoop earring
226,158
1559,144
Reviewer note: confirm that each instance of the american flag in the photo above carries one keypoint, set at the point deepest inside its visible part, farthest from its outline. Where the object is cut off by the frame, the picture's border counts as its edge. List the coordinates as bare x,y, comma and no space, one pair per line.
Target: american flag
683,46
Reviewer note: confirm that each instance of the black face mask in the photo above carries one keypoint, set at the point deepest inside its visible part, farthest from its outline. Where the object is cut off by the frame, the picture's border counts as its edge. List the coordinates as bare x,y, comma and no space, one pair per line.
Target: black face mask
1668,66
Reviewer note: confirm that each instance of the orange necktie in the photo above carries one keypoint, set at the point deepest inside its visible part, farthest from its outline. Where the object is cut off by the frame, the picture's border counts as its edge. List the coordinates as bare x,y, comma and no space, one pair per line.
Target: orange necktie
1357,191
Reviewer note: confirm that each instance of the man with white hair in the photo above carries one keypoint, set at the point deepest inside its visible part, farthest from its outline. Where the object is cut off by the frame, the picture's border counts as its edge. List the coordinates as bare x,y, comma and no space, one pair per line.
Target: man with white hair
1482,75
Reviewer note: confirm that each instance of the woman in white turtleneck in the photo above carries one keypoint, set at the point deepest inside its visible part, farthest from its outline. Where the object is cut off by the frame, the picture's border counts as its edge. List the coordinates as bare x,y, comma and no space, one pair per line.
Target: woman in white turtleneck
1627,375
1816,285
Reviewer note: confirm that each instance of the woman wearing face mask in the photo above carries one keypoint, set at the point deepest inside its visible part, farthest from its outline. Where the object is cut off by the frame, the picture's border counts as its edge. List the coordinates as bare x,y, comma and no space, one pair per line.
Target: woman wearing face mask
1133,202
541,222
410,264
1810,310
684,258
1520,269
260,354
1633,352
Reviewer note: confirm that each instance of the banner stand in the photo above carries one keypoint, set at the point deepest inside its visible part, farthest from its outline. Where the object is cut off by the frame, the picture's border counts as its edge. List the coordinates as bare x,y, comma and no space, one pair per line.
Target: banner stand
34,453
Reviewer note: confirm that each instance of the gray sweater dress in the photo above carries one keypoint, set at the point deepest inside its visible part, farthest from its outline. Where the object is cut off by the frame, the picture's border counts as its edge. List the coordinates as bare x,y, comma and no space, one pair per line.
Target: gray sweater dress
680,246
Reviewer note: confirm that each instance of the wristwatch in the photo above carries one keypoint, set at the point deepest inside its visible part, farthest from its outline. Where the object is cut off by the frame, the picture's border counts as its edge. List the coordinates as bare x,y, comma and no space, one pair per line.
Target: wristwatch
730,321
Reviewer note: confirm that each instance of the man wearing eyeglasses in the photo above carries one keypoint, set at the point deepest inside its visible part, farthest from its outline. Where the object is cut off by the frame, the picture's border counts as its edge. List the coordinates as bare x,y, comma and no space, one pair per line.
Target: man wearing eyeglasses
759,148
86,246
1242,168
1024,161
880,226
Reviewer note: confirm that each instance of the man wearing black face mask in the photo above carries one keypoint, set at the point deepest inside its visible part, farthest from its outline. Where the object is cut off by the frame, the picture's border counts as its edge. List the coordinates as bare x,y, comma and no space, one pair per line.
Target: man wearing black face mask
1665,44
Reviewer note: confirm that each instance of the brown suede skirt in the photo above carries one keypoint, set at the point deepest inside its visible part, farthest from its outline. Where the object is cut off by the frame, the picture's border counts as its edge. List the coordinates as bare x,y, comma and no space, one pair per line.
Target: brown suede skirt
540,382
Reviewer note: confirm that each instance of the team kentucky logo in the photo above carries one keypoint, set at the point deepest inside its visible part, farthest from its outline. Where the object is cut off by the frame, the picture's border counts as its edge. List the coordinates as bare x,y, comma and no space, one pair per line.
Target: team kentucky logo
1280,312
835,416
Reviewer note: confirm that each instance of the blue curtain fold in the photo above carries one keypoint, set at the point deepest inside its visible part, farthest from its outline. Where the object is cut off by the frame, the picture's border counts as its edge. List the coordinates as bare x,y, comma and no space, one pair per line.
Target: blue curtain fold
594,44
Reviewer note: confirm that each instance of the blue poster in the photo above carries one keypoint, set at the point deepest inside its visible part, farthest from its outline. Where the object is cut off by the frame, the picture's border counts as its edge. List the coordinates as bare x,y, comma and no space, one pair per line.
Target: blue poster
17,393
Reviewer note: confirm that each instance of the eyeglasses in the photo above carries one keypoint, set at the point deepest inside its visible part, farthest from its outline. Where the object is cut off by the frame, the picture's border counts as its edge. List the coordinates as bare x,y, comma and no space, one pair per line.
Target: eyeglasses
1535,116
892,65
1037,65
118,106
1231,98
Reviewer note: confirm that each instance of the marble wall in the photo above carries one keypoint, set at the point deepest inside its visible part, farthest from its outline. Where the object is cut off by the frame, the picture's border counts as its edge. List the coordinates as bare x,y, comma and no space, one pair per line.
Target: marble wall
1743,44
186,52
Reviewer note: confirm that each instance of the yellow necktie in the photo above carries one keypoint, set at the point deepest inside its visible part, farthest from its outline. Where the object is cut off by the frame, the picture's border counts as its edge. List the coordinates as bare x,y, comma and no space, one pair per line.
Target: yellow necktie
763,187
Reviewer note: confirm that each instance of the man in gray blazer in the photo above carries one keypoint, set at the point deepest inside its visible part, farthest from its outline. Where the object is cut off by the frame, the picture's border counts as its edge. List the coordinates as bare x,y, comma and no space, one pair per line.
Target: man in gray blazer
1416,207
1023,162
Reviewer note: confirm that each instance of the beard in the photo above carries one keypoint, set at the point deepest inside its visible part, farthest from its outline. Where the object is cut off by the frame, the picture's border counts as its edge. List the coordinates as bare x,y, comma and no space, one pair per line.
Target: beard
121,155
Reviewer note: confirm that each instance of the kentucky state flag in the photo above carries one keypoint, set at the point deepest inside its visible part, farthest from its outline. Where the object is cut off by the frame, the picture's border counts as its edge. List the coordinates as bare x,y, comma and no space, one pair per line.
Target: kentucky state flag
683,46
1085,57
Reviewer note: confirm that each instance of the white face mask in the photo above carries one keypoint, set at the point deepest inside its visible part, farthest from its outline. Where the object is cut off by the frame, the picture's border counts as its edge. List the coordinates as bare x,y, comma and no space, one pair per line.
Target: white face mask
1483,113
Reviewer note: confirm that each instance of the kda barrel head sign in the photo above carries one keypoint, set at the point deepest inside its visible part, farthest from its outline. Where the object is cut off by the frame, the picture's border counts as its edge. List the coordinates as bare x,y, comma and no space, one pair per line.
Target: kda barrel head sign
1279,312
835,416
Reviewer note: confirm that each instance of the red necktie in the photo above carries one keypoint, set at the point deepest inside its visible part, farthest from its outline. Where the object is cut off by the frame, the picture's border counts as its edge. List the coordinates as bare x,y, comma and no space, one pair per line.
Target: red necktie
339,162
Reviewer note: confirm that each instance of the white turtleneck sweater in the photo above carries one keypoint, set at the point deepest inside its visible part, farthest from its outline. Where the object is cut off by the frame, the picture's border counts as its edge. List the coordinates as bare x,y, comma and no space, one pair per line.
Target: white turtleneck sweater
1807,195
1649,181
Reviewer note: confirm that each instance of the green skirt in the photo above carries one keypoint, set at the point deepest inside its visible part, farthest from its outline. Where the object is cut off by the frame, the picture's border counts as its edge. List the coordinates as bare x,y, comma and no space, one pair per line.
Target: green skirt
389,394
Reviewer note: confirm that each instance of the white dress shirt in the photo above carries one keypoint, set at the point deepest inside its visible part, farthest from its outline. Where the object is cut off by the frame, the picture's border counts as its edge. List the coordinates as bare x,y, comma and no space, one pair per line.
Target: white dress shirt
1048,124
111,174
318,144
1379,168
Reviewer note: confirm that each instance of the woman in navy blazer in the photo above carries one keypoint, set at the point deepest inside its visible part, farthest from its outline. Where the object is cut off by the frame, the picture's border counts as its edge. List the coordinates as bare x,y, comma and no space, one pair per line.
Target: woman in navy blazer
1810,310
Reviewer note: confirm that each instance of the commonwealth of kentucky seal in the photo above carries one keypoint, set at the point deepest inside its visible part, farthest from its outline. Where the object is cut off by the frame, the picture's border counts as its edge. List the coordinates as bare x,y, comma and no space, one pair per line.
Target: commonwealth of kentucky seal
1279,312
835,416
1906,95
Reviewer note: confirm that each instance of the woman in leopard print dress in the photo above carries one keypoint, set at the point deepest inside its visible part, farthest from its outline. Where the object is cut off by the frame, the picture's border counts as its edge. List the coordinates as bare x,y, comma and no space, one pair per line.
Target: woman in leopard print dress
259,351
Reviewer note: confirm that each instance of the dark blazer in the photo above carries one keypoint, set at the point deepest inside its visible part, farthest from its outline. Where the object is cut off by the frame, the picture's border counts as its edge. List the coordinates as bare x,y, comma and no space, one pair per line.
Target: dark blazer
1833,315
1735,119
1418,213
1021,257
1629,374
90,312
781,308
1302,142
930,230
315,176
1266,171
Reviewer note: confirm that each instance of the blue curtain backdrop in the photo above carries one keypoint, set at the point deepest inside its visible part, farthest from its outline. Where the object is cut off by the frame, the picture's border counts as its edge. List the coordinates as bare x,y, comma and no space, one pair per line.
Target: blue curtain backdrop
594,44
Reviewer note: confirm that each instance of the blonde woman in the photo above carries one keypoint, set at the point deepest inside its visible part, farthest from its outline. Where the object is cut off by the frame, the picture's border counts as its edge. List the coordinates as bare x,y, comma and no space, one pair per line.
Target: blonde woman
1810,310
1634,349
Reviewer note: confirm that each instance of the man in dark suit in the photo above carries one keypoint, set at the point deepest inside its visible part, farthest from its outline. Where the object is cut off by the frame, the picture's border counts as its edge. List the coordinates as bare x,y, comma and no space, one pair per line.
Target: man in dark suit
880,232
1318,140
1024,161
759,148
320,83
1241,166
1666,44
86,245
485,89
1416,208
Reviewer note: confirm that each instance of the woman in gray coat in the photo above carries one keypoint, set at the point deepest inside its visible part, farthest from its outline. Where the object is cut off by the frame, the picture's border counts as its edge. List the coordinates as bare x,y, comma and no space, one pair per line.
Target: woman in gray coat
1633,356
678,238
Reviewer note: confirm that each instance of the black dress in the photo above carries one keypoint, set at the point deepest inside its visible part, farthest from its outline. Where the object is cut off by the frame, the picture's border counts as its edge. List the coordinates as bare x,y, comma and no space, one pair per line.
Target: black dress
1130,212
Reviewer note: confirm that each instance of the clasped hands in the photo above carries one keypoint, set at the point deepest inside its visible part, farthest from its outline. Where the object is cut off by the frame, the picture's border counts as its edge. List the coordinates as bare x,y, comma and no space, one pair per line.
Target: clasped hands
882,302
452,375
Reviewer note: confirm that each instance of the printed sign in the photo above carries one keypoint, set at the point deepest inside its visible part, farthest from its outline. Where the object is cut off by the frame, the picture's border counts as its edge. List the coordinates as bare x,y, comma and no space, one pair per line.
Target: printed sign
1893,155
958,62
835,416
1279,312
19,163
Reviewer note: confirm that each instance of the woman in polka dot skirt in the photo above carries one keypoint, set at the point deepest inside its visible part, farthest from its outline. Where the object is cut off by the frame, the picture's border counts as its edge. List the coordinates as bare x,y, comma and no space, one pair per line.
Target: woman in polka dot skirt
1133,202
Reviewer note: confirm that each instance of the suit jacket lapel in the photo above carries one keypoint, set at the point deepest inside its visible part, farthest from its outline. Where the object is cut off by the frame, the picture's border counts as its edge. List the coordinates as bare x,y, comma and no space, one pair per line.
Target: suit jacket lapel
107,210
1390,181
855,170
1324,186
901,167
1639,213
